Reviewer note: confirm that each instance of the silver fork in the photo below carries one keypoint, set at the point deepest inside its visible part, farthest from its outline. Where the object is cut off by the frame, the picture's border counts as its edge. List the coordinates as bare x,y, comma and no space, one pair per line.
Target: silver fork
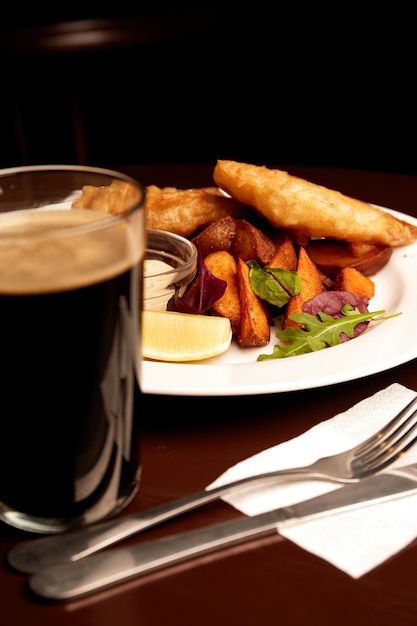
369,457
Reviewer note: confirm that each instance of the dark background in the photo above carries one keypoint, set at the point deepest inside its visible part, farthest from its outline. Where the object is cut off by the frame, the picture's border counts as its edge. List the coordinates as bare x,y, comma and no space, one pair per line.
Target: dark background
238,80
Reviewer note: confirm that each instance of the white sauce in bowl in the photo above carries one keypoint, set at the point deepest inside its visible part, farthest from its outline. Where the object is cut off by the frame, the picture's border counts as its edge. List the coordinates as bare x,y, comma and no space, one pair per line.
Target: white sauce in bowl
158,283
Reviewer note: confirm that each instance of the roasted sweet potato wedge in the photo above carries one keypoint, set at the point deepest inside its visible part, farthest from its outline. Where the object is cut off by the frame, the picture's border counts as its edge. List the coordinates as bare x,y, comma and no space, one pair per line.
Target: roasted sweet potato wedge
219,235
351,279
330,256
285,255
222,265
311,285
254,329
251,244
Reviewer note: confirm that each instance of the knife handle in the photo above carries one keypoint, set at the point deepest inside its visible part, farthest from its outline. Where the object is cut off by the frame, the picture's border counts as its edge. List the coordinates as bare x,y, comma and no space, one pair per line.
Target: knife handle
66,581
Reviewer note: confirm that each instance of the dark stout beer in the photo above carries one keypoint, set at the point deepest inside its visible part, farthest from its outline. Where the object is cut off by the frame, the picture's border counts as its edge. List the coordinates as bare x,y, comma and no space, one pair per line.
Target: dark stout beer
69,442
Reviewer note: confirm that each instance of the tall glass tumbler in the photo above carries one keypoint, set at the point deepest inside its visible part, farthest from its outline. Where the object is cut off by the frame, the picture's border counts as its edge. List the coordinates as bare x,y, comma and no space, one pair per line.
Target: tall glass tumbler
72,243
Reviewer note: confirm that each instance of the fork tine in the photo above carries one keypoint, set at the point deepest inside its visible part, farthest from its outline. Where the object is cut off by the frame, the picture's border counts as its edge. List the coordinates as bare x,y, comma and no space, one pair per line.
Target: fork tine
393,446
389,456
382,436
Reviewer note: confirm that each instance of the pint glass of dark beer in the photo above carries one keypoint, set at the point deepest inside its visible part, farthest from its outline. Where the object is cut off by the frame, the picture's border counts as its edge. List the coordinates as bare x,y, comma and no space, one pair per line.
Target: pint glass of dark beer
72,243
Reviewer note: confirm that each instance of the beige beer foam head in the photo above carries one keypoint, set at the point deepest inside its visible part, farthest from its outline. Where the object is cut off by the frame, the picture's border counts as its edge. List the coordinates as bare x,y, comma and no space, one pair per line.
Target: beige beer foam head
44,251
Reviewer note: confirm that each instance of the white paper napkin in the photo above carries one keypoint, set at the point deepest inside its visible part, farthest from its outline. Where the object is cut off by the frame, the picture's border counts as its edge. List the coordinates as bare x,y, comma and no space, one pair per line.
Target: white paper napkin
354,541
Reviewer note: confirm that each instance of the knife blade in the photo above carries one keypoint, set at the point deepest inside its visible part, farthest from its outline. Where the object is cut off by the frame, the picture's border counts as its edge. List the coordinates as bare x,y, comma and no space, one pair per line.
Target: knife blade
69,580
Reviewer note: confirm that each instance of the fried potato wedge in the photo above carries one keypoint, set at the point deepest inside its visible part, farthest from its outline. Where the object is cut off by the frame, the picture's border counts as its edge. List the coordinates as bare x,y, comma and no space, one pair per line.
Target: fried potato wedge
351,279
285,255
254,329
251,244
331,256
222,265
218,235
311,285
186,211
309,209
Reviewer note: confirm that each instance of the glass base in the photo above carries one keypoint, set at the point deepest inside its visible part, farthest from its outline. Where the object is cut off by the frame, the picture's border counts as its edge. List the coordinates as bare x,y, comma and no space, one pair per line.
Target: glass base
48,525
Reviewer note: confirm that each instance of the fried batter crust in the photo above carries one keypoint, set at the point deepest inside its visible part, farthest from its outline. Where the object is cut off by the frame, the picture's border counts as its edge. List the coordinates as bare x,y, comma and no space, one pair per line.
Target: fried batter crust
116,198
186,211
308,209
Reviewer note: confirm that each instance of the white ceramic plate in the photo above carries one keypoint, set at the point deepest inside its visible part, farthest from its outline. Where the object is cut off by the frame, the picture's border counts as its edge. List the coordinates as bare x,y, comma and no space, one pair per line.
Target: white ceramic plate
384,345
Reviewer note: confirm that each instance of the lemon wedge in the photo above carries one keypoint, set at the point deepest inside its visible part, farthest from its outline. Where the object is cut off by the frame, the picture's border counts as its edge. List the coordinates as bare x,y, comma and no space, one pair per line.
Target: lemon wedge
172,336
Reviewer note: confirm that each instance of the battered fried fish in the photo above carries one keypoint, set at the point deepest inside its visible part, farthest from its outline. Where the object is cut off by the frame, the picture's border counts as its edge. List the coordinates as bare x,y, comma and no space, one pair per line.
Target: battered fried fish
308,209
116,198
186,211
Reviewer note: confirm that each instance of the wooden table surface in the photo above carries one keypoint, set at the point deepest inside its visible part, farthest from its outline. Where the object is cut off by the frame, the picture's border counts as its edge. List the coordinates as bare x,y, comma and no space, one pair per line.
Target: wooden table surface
189,441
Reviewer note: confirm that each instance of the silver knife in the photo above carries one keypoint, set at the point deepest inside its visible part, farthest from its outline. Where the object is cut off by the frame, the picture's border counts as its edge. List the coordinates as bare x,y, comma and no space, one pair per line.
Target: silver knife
69,580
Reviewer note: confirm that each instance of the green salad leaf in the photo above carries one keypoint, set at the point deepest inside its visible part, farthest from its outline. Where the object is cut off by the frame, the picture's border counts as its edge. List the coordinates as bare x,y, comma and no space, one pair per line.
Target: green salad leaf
319,332
274,285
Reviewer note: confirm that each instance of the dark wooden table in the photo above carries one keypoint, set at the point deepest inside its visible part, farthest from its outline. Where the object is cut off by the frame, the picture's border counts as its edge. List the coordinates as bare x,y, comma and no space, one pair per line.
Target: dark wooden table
189,441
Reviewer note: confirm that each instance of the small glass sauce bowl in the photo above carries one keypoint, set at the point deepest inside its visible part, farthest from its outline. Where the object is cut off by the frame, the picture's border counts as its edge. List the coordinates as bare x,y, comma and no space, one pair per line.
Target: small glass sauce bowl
170,262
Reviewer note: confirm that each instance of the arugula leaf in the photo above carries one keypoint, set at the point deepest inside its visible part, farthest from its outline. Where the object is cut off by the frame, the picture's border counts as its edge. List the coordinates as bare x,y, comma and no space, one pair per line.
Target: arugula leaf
274,285
319,332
